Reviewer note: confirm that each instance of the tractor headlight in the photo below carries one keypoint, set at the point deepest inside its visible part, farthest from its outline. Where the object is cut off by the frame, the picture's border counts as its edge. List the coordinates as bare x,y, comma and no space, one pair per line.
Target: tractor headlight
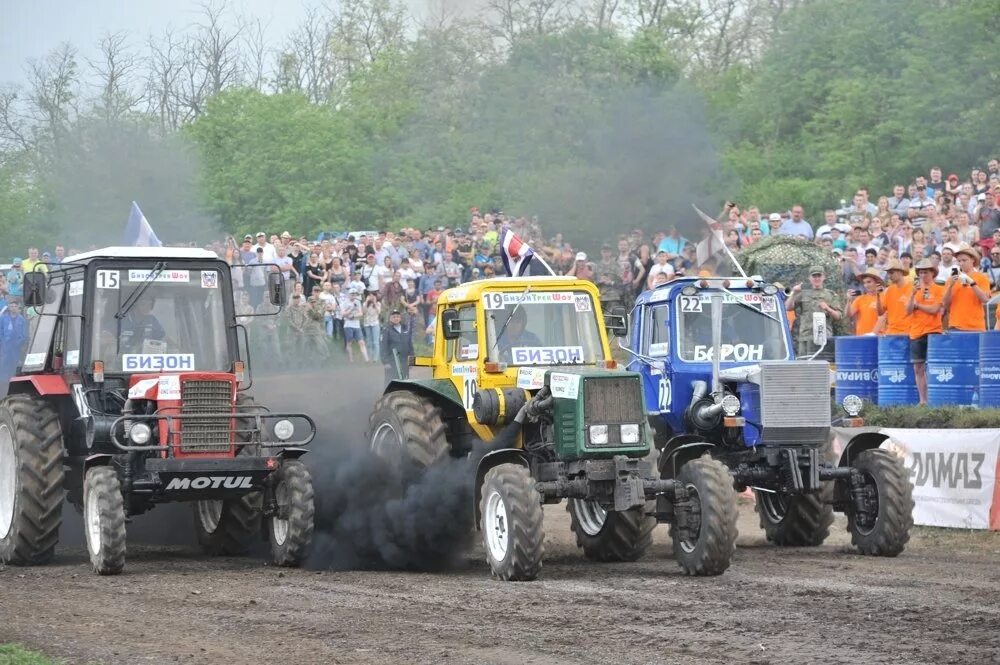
284,429
599,434
731,405
689,290
630,433
140,434
769,289
852,405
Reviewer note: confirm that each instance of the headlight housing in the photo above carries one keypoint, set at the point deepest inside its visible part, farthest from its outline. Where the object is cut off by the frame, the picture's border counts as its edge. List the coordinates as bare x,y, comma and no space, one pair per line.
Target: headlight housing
731,405
630,433
599,434
284,429
140,434
852,405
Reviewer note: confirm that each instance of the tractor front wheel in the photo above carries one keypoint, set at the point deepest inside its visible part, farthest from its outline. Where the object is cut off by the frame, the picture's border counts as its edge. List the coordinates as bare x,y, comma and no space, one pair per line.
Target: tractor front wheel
291,530
712,518
227,527
104,520
31,480
511,524
800,520
884,529
405,430
609,535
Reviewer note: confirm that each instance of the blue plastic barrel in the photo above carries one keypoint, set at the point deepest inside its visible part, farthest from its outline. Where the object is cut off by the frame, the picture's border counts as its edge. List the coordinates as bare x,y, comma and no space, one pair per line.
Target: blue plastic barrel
953,369
857,367
989,370
896,383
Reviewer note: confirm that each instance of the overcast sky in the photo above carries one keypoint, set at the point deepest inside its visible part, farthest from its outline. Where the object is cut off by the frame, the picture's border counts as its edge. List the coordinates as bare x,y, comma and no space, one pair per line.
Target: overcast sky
32,28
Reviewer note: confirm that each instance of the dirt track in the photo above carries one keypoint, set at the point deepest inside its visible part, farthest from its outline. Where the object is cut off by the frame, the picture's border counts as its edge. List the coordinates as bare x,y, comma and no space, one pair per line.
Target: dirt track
934,604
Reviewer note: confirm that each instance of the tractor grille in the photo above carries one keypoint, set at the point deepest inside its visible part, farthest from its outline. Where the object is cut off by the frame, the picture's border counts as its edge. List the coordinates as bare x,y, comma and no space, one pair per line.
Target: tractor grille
612,401
795,402
208,433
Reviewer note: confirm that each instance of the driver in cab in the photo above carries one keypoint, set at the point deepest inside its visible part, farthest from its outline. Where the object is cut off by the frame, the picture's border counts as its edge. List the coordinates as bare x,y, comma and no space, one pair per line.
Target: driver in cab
138,326
516,334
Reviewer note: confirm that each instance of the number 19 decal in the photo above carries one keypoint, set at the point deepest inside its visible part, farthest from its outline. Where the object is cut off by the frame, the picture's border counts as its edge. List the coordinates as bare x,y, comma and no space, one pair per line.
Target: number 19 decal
469,392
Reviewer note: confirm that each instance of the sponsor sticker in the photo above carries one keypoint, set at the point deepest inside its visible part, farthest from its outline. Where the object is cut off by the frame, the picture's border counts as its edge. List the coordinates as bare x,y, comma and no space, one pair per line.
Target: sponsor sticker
659,349
530,378
73,358
210,483
169,387
76,288
174,276
730,352
769,305
583,303
547,355
499,300
464,370
34,359
565,386
140,388
469,352
171,362
209,279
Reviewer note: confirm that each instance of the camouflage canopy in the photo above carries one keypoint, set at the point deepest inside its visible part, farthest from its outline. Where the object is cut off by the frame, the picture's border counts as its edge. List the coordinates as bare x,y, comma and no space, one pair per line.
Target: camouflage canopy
787,259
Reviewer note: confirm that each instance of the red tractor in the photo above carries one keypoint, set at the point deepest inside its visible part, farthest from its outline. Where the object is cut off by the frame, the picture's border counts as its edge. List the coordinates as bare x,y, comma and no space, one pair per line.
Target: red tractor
132,391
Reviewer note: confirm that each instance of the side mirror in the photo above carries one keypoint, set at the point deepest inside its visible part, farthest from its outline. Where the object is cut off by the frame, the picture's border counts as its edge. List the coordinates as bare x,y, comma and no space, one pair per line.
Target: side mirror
450,325
34,287
616,321
276,289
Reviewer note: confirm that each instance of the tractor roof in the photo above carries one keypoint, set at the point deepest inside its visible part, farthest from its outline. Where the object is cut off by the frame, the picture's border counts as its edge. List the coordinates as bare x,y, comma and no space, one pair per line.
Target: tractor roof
473,290
664,291
142,253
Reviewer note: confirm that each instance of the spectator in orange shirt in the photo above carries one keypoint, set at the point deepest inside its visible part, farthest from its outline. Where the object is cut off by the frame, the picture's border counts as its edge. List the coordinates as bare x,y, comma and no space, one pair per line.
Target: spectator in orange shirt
863,309
925,309
892,305
966,293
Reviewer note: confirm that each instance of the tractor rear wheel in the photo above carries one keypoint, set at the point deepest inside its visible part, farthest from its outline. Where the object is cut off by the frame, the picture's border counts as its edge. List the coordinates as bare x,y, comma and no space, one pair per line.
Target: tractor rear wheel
511,511
31,480
405,430
800,520
714,514
607,535
291,530
886,529
104,520
229,527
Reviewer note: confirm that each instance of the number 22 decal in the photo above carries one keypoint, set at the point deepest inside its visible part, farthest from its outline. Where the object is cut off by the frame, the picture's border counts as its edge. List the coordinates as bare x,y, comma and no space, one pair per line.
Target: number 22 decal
663,395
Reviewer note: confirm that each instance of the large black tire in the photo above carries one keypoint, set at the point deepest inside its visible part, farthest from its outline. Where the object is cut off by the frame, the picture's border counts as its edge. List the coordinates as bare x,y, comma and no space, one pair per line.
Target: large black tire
620,536
31,480
511,523
291,531
230,527
799,520
104,520
710,487
890,482
405,430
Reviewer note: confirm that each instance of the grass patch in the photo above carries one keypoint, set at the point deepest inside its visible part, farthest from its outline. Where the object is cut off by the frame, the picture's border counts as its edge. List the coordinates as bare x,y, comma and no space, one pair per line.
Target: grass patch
926,417
15,654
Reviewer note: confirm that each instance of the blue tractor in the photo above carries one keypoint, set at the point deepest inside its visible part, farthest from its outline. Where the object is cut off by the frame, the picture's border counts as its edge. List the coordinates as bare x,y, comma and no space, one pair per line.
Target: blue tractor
719,376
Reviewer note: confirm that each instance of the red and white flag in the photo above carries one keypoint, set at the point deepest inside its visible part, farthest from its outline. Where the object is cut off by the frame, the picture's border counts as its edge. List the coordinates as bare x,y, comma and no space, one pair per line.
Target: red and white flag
515,253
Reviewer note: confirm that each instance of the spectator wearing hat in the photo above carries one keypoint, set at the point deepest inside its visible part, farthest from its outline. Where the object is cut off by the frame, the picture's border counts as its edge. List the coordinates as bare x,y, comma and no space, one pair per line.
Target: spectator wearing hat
15,278
813,307
863,307
920,205
925,308
892,304
966,292
396,347
269,254
580,268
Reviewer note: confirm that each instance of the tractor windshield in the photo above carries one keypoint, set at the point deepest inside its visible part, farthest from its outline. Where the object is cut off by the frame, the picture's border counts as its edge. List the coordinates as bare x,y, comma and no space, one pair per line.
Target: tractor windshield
753,327
542,328
174,321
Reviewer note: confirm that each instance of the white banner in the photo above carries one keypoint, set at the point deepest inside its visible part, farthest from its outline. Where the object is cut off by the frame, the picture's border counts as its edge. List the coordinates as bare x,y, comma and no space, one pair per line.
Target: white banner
953,472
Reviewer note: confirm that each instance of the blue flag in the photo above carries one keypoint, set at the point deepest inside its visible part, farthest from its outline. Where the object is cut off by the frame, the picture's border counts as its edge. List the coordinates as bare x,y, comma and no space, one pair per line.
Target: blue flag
138,232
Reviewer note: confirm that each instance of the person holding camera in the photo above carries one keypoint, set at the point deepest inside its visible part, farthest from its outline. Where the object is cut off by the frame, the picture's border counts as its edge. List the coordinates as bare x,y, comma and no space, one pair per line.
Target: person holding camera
966,292
925,308
813,309
863,307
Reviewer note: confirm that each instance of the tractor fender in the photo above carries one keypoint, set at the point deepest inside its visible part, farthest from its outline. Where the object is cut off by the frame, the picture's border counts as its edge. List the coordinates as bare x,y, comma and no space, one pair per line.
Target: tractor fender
441,391
680,450
99,459
859,443
490,460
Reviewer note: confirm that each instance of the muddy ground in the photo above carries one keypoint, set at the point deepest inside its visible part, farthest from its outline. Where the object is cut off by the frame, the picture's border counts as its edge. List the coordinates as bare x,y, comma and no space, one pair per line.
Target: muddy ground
936,603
